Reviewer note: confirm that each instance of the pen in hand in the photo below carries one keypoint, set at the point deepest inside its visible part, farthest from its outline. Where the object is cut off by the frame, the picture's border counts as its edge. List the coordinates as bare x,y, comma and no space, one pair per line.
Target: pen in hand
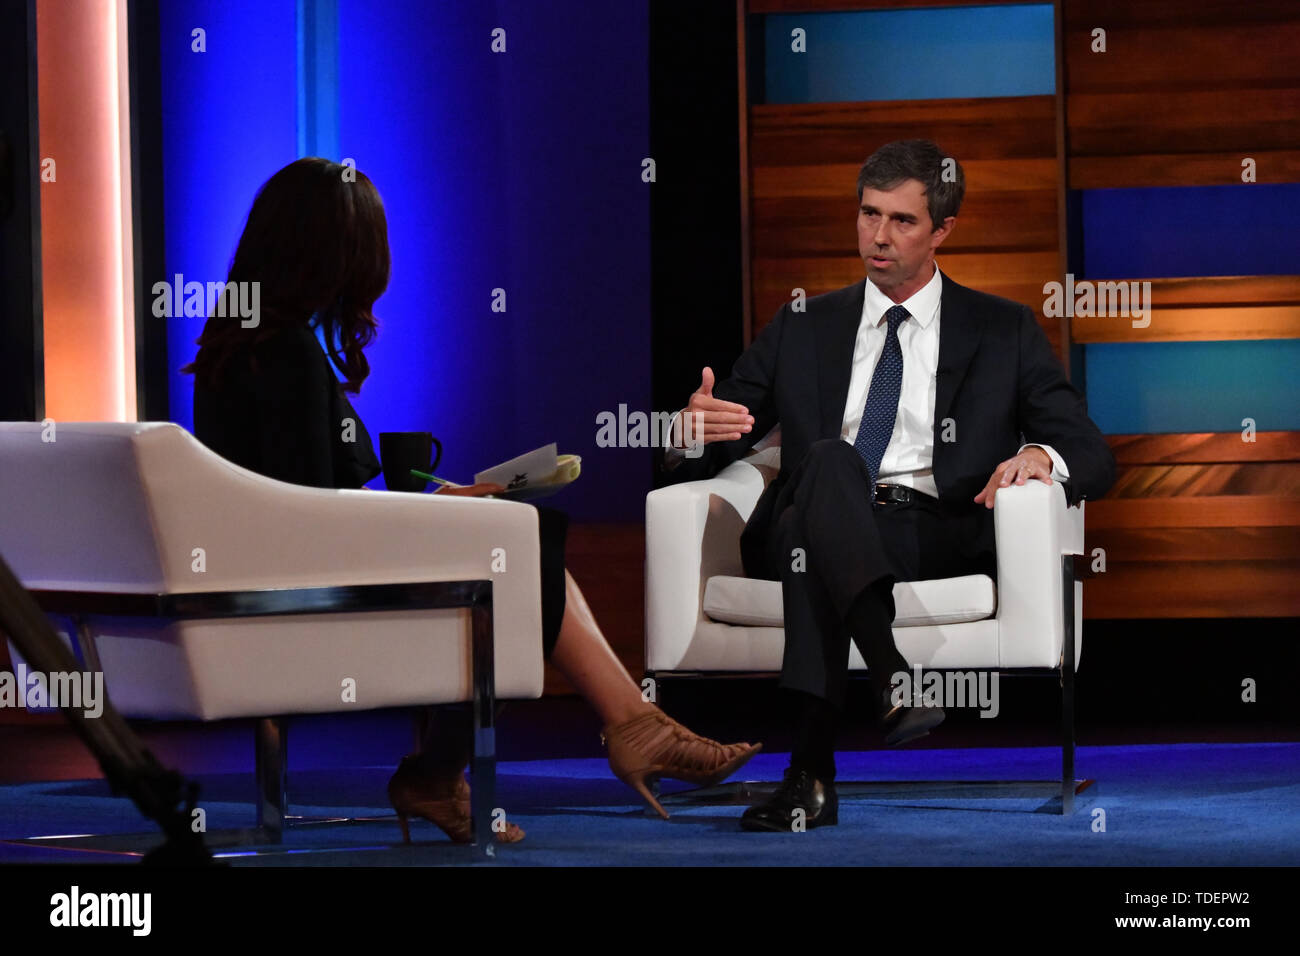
428,477
483,489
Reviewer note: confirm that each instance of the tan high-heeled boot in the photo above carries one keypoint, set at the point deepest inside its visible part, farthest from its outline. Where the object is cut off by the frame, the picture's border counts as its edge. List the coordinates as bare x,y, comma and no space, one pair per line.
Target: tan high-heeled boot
442,799
654,745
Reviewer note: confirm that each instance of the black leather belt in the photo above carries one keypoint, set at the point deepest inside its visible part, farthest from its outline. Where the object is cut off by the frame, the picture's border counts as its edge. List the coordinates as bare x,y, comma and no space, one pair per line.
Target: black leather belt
902,495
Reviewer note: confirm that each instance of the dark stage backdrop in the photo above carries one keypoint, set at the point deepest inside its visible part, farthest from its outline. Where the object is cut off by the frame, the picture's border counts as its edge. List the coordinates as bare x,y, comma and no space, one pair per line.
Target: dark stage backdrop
518,171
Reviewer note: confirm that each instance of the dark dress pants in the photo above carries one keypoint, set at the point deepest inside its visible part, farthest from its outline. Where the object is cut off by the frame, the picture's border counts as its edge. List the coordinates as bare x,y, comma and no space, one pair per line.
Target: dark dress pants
832,550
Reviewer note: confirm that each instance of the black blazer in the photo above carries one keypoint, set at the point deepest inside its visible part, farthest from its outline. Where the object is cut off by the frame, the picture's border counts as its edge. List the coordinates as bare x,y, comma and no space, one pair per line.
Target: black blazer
998,379
288,420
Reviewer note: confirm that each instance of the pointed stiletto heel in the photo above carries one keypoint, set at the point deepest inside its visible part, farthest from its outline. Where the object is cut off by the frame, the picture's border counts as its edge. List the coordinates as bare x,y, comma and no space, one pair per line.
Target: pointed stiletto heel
654,745
442,799
641,786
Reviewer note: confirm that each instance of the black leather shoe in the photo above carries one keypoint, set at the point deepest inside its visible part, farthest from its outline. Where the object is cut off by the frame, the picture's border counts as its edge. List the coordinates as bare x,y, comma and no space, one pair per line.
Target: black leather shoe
904,724
798,791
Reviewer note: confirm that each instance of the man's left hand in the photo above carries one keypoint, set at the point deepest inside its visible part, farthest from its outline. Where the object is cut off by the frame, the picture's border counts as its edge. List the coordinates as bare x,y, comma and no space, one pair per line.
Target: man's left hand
1030,463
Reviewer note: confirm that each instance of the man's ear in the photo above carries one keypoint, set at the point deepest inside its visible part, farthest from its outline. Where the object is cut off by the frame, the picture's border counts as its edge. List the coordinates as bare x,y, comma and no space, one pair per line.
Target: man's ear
939,235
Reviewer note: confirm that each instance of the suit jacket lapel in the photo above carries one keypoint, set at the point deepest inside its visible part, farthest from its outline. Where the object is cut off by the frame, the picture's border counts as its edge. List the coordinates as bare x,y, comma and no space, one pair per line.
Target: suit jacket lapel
959,335
835,361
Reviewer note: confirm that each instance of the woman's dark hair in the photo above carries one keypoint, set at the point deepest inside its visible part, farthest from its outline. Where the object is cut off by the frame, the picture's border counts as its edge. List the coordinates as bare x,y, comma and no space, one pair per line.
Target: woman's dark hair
917,159
316,241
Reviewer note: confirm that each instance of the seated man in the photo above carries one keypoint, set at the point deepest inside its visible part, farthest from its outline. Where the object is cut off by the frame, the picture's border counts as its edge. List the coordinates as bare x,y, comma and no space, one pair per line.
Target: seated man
905,402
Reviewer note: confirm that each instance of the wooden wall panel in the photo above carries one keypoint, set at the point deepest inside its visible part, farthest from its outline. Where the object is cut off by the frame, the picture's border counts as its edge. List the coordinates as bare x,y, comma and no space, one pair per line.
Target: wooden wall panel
827,6
1193,325
1199,525
1004,128
608,562
1206,310
1183,92
1237,589
1202,447
804,162
1166,169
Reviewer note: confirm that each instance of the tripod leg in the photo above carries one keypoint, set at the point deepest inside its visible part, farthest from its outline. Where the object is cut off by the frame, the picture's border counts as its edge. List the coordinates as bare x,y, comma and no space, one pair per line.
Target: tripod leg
161,794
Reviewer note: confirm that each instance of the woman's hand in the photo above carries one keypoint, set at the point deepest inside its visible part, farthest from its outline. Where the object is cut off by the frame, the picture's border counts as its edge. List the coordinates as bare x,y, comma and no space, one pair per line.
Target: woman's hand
472,491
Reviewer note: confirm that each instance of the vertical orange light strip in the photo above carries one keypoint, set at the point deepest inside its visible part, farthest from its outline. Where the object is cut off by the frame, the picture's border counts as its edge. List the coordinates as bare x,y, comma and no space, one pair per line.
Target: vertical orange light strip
85,211
126,253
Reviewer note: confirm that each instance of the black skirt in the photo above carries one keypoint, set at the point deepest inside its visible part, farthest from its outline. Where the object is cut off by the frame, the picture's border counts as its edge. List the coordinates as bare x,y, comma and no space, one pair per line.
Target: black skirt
552,528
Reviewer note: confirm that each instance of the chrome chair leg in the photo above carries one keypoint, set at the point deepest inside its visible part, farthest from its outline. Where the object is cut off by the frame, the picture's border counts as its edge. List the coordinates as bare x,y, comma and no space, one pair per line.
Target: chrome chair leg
270,769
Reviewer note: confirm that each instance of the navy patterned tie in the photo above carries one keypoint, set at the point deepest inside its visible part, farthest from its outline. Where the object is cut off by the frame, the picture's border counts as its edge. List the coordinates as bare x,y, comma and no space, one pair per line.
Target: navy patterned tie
882,399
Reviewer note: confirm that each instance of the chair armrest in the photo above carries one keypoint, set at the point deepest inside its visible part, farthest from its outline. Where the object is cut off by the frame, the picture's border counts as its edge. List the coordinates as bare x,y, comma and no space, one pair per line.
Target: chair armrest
692,533
147,509
1034,527
257,532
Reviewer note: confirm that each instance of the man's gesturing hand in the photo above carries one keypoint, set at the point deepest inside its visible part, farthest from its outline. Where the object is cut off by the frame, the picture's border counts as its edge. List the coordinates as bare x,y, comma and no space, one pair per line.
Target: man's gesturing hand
708,419
1033,462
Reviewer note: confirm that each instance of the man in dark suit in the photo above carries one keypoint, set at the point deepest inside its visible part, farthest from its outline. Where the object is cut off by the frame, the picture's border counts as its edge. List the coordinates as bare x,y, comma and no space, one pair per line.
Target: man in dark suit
905,402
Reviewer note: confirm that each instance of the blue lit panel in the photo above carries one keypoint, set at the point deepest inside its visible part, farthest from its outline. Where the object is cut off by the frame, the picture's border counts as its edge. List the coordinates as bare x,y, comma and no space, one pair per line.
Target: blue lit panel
1160,387
939,53
228,124
517,171
1233,230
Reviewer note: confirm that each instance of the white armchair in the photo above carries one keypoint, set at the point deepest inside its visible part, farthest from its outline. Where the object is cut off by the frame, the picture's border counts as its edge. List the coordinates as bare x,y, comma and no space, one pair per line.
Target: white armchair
205,591
704,617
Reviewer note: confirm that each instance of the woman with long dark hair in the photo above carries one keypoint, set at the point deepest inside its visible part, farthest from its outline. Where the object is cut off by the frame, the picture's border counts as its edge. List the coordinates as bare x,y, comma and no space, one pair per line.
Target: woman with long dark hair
266,398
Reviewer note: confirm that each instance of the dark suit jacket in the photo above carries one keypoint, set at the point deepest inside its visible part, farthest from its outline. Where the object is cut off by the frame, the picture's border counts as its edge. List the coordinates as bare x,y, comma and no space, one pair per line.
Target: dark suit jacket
287,420
998,379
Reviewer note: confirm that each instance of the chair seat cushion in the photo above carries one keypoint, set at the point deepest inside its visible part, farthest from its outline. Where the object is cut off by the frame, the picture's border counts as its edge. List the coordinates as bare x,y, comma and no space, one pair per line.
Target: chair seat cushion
753,602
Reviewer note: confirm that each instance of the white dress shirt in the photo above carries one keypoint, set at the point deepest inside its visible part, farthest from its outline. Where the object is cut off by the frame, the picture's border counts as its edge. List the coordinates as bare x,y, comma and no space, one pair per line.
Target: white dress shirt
909,456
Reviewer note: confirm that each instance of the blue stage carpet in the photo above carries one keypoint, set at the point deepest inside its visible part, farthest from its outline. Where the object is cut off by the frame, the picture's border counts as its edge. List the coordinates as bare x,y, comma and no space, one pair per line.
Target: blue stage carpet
1187,805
